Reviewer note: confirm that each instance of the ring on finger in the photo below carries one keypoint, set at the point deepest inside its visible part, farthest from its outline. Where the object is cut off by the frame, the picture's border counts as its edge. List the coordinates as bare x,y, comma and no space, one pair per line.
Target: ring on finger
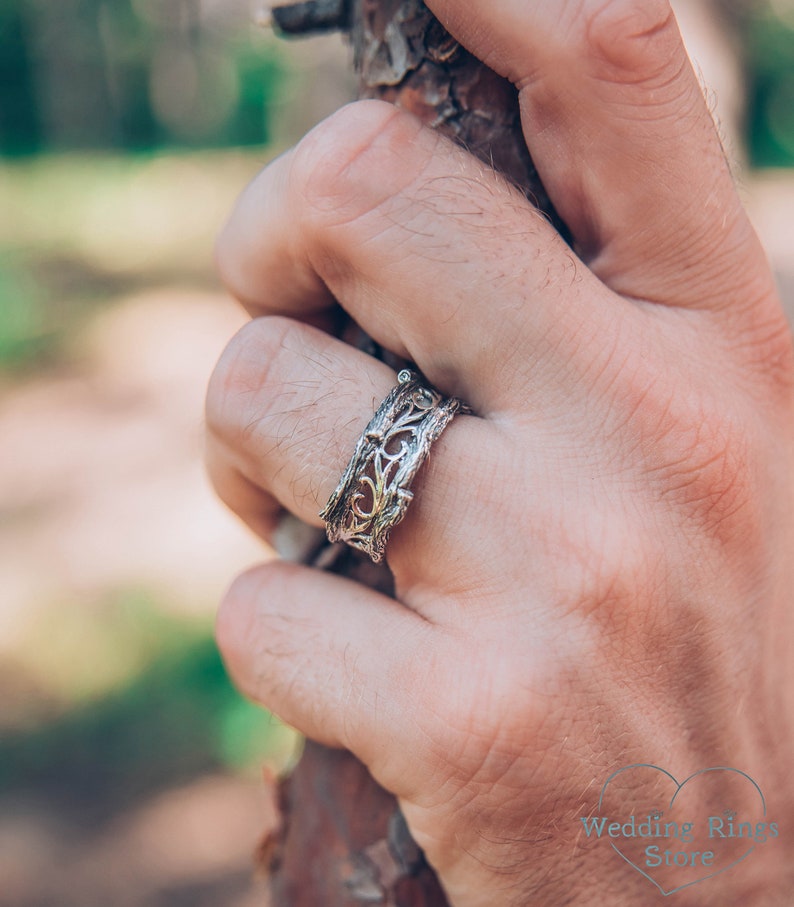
374,492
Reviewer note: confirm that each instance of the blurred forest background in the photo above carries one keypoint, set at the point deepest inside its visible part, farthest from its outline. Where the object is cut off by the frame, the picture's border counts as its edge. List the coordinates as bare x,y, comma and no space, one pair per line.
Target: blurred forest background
130,771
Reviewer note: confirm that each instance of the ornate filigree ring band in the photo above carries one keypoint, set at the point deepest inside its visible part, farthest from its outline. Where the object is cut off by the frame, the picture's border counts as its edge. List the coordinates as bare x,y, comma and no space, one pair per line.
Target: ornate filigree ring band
375,490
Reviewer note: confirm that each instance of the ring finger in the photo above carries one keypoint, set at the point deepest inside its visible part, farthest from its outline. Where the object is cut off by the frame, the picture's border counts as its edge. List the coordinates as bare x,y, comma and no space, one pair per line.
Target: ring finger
285,408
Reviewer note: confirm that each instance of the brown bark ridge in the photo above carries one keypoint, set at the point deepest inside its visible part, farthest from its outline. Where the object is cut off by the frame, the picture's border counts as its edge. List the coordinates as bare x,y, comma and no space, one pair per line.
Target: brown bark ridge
343,841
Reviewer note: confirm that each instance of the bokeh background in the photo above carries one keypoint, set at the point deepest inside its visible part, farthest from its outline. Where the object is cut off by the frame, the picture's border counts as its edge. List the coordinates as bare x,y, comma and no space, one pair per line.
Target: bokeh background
131,773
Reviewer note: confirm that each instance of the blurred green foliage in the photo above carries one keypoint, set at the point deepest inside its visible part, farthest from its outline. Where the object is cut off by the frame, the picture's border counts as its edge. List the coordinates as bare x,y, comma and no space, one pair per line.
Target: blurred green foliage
144,703
769,45
133,74
114,699
24,337
84,230
148,74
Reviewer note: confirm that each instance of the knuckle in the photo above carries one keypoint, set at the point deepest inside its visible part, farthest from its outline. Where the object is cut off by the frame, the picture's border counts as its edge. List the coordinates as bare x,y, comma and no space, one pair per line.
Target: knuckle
352,162
249,364
711,484
762,351
693,449
613,559
633,56
703,468
774,350
638,37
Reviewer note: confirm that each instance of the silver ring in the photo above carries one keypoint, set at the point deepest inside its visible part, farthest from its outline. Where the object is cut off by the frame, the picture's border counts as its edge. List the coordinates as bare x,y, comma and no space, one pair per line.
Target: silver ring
374,492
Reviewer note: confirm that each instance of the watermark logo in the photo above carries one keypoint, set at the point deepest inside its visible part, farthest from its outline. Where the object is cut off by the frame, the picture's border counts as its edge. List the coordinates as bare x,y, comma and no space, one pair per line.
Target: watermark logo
679,834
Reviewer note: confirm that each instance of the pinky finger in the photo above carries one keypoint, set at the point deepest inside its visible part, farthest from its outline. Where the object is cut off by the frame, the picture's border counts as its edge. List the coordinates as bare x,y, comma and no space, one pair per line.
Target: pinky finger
336,660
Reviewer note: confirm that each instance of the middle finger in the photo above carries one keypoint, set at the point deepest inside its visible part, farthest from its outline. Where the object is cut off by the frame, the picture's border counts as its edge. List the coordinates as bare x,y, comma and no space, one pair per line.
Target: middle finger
369,210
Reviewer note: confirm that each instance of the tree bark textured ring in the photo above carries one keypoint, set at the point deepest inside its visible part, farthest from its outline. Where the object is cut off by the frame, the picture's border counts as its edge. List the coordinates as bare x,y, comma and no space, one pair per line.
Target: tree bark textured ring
374,492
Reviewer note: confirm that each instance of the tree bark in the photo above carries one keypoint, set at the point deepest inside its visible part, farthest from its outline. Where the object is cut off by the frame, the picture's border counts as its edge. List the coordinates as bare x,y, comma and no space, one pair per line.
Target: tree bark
343,841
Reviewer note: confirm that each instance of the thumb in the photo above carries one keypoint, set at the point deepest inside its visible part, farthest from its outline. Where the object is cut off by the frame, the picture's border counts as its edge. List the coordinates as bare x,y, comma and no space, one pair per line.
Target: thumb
622,137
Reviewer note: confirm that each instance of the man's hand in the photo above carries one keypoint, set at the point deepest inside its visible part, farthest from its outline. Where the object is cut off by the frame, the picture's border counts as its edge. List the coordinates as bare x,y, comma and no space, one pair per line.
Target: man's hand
596,568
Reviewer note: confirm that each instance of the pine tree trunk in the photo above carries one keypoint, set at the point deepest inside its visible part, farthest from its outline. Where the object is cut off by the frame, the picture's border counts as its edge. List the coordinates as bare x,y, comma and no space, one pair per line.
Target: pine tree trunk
343,841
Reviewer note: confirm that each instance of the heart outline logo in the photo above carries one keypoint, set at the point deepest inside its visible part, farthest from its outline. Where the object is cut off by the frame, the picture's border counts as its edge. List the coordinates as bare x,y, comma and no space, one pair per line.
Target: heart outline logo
679,788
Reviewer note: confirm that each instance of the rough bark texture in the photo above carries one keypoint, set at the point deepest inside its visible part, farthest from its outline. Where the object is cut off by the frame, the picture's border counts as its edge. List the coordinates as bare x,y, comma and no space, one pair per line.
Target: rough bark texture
343,841
404,55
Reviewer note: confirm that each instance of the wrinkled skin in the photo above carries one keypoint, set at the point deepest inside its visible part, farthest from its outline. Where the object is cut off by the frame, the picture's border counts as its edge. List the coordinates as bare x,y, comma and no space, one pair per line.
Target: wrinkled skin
596,568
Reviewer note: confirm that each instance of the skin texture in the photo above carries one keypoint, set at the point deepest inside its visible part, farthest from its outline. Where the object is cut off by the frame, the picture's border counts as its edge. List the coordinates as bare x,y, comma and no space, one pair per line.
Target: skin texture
595,570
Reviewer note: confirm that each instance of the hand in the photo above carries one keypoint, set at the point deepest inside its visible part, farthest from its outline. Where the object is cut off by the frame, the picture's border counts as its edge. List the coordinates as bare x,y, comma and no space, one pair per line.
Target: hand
596,568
